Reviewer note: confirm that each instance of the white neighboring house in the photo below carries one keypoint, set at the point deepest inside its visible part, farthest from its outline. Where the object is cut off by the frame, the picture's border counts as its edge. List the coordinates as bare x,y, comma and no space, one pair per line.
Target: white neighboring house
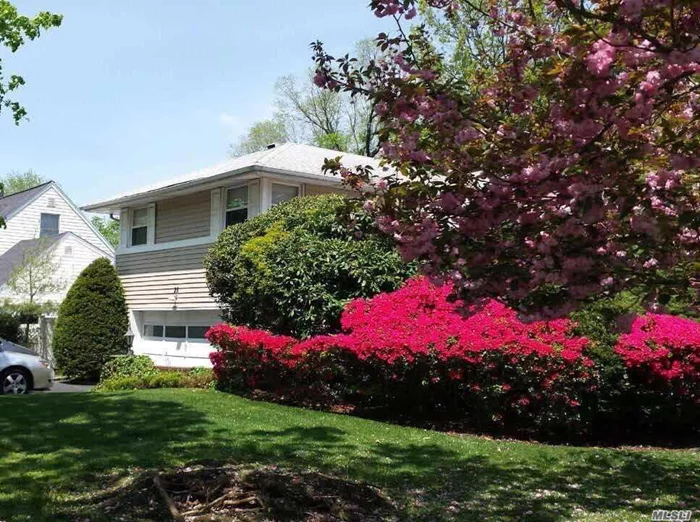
167,229
44,218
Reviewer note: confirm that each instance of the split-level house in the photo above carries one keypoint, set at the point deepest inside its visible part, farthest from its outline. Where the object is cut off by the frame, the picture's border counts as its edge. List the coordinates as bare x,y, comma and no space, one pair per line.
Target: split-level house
167,229
44,221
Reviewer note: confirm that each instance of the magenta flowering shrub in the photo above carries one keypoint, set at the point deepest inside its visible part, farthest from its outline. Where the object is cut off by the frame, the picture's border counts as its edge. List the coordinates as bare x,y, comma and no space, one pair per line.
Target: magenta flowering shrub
415,352
664,350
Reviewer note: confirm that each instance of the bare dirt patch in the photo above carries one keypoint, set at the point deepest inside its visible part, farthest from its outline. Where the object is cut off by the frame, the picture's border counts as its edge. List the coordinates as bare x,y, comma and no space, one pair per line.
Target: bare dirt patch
235,493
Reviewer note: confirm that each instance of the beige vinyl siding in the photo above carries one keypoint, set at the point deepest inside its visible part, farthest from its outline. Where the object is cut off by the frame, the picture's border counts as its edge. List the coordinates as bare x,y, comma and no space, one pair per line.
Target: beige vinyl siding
157,291
26,224
172,259
316,190
150,279
183,217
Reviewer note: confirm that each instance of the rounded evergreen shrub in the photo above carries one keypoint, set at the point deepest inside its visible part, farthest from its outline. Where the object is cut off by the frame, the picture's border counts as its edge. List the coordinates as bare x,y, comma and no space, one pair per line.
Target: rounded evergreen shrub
292,269
92,322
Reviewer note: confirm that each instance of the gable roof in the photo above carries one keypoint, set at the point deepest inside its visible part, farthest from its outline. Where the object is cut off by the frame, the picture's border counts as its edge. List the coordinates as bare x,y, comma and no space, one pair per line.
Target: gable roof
10,205
14,203
15,255
293,159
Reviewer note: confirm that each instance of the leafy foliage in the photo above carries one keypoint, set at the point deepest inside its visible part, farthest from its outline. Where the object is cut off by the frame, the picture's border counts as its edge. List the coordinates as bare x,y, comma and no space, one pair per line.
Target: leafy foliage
154,378
14,29
92,322
128,366
18,181
109,228
293,268
10,326
416,352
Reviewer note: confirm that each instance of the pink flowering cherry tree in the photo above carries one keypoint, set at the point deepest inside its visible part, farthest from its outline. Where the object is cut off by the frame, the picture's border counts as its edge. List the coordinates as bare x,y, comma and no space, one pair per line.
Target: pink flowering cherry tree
570,171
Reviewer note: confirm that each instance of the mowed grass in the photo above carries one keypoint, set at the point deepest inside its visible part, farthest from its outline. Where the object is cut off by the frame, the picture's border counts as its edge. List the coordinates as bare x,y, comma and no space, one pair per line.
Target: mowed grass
56,451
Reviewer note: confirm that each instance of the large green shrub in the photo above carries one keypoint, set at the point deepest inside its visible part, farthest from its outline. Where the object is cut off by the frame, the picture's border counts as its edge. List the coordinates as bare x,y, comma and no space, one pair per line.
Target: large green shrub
92,322
292,269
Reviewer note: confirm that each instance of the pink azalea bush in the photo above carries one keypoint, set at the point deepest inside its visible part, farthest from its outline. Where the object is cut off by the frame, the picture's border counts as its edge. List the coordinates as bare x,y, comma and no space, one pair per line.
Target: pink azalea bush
663,349
417,352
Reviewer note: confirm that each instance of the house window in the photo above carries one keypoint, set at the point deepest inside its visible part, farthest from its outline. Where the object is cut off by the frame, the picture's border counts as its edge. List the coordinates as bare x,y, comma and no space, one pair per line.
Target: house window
196,332
191,333
153,330
282,193
49,225
139,227
236,205
176,332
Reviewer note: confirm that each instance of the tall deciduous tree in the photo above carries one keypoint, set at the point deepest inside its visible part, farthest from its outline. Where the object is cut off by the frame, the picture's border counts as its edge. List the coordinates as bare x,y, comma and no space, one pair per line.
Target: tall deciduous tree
574,171
305,113
109,228
14,30
36,275
18,181
260,135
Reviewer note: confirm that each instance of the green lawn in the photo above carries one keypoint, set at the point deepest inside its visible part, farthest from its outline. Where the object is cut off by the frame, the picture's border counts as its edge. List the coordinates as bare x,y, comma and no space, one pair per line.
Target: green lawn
55,449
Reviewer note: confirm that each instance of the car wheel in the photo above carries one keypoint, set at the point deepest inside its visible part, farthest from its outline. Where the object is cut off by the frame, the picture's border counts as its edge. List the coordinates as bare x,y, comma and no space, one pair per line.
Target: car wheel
14,381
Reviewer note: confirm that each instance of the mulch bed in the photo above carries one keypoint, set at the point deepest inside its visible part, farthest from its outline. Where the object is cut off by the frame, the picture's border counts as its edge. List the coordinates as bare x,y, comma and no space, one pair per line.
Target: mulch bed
235,493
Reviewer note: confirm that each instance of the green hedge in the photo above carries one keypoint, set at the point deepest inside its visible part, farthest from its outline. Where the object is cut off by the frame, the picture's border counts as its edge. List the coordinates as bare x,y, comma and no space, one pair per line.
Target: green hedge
92,322
292,269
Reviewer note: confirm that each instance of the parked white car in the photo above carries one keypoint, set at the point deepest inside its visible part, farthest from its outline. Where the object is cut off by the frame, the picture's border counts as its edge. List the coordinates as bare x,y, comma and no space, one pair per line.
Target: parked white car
22,370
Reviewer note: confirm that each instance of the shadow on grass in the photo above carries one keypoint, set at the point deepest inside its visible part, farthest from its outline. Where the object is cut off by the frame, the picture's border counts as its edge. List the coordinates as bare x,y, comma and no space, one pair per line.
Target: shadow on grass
54,447
506,482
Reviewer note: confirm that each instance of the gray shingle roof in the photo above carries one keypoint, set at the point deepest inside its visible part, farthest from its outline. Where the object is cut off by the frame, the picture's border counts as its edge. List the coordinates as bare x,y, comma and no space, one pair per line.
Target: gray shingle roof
15,255
13,202
290,158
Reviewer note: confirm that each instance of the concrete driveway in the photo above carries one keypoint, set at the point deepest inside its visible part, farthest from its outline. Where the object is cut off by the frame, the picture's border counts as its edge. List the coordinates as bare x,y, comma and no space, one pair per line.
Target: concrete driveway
67,387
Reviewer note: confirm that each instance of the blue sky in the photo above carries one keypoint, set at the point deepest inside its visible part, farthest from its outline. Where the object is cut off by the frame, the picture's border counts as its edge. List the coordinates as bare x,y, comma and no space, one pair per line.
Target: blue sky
126,93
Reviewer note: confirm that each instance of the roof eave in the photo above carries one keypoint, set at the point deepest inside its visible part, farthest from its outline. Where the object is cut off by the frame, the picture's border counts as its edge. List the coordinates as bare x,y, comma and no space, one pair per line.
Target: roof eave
150,196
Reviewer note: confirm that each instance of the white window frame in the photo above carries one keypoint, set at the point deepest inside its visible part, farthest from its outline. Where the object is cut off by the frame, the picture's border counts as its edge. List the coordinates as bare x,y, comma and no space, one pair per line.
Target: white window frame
174,339
273,182
58,223
150,225
224,201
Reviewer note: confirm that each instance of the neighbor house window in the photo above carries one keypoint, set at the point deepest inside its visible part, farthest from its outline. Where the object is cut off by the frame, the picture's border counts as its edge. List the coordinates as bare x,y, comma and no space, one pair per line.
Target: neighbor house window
236,205
49,225
282,193
139,227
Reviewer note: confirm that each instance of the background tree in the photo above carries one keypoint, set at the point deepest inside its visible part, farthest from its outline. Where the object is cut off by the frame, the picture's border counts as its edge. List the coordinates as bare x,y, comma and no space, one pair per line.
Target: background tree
305,113
260,135
108,227
36,276
92,322
18,181
32,279
573,173
292,269
14,30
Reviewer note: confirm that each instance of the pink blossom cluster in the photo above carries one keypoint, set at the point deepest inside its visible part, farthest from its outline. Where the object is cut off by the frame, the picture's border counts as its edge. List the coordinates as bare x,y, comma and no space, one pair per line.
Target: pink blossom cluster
575,166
